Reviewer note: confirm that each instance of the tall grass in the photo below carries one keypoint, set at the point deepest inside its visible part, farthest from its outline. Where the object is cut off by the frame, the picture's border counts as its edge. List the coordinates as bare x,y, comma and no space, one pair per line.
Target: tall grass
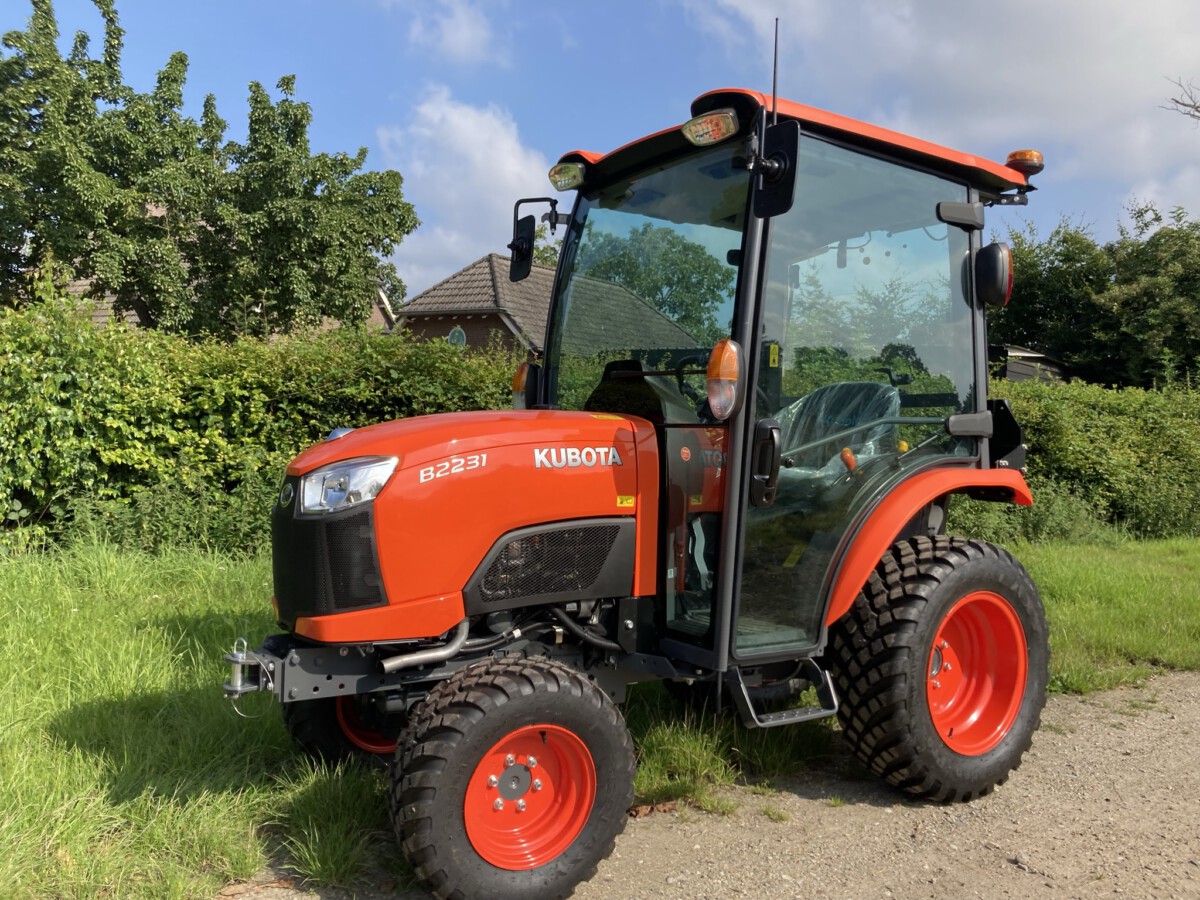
125,773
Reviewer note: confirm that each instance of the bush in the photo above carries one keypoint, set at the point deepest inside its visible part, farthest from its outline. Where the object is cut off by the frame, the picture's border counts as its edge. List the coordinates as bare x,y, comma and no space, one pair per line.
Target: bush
148,440
1132,456
151,439
1056,515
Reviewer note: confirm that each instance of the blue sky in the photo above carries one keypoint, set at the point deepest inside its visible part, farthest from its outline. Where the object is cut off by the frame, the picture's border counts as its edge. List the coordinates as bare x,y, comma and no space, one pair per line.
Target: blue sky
473,100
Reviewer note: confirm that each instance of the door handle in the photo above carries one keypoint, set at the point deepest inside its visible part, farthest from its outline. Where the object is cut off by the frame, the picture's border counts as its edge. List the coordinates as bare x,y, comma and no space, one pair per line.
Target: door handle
764,471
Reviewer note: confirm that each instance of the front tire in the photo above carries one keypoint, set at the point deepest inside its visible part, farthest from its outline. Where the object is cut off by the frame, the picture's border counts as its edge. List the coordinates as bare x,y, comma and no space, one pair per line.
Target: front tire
942,665
513,782
335,729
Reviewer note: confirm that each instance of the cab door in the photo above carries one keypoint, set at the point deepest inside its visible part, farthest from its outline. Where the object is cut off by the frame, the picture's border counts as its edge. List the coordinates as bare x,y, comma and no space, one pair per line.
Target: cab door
864,343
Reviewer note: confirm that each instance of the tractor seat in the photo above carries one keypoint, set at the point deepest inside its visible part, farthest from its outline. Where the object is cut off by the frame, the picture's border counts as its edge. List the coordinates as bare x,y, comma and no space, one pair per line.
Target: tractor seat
835,408
625,393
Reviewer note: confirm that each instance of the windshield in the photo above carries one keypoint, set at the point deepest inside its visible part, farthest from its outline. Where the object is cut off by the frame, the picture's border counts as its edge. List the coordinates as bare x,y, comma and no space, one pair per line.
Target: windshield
650,272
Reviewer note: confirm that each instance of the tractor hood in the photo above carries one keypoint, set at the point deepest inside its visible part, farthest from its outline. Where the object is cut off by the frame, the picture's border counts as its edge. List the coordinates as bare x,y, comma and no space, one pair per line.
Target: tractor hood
465,481
422,440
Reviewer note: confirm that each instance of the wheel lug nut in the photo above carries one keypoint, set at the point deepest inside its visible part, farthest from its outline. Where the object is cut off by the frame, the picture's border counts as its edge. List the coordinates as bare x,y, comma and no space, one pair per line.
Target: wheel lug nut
520,806
946,667
937,684
537,784
492,781
499,804
531,762
509,760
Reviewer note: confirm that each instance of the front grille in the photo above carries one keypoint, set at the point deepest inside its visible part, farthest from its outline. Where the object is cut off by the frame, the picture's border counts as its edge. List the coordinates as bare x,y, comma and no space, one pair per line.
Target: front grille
324,565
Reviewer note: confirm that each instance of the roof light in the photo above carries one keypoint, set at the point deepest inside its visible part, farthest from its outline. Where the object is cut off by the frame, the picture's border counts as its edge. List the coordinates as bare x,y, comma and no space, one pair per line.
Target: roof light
711,128
1027,162
724,379
567,176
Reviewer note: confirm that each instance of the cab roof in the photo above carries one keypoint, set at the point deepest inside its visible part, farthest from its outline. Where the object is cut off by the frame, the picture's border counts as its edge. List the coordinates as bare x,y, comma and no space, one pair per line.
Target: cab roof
982,173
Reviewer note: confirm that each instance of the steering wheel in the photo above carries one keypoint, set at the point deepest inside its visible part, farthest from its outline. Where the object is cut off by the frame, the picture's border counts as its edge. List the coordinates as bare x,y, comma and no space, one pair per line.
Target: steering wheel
697,359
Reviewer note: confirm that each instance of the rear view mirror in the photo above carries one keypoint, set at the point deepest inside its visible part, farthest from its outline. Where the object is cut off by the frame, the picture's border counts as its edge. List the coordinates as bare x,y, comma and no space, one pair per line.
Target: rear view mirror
778,164
524,230
994,274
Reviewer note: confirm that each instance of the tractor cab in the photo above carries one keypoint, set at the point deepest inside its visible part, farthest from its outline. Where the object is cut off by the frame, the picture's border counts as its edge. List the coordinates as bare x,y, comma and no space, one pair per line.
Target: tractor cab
820,277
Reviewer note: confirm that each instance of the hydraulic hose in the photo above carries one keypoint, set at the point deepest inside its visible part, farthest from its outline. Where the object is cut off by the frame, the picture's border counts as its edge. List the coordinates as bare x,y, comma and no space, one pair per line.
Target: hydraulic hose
582,633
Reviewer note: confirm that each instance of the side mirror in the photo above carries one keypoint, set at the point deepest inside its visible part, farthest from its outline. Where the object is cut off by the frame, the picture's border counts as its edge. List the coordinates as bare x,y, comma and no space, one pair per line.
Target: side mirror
776,168
524,230
994,274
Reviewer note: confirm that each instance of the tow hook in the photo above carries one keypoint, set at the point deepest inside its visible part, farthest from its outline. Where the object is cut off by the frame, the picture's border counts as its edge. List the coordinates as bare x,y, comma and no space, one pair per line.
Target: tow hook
246,669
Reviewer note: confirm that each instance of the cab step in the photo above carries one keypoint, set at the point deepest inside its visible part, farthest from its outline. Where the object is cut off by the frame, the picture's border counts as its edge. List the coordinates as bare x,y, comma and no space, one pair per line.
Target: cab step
752,718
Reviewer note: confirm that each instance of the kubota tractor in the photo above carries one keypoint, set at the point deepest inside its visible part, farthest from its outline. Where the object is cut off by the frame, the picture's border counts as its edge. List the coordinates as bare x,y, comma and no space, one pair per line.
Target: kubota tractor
764,378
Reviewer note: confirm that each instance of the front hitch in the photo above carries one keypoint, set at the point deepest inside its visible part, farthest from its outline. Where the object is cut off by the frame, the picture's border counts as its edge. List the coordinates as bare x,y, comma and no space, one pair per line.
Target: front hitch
250,671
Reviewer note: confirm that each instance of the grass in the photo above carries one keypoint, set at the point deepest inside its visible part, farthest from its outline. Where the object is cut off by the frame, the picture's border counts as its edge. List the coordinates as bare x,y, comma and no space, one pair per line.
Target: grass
1118,613
126,773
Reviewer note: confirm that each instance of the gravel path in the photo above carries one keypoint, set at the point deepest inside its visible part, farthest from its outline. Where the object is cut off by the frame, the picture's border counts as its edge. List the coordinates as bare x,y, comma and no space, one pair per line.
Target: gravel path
1106,803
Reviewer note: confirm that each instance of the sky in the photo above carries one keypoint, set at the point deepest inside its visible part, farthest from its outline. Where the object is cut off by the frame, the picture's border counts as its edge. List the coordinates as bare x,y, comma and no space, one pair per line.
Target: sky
472,101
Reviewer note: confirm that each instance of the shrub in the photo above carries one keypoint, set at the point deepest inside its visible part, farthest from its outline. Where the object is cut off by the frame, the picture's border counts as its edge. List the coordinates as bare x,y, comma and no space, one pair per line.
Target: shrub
1131,455
151,439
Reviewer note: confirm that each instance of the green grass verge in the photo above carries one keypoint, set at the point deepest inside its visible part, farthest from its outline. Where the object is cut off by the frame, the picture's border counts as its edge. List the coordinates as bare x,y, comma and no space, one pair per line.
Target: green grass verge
1118,613
125,772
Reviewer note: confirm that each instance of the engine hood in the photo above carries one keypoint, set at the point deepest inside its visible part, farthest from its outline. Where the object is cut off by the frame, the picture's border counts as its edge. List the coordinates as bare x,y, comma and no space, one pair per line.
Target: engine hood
424,439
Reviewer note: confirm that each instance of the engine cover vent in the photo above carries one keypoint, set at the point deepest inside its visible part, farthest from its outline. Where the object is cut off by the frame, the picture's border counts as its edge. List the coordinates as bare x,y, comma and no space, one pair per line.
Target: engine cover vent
580,560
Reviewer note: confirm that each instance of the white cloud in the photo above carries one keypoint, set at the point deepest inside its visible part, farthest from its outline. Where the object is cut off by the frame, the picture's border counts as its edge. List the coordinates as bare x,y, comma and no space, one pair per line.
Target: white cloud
459,30
1083,80
1181,188
464,167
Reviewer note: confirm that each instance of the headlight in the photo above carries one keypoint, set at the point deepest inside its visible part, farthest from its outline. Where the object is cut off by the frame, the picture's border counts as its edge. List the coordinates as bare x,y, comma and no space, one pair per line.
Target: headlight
344,485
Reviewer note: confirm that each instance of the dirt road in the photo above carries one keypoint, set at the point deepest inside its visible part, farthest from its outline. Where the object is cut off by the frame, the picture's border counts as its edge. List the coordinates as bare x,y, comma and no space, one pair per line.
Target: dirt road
1106,803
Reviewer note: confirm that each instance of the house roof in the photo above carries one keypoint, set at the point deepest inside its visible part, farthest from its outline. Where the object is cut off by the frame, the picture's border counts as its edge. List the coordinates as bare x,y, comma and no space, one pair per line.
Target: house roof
604,314
483,288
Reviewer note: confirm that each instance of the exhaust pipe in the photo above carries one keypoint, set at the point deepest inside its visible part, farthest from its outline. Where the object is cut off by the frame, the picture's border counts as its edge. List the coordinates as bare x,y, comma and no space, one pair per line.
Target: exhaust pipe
435,655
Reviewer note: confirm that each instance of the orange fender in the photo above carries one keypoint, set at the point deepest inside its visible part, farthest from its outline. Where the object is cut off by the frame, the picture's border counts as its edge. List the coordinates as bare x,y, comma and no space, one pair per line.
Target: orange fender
883,525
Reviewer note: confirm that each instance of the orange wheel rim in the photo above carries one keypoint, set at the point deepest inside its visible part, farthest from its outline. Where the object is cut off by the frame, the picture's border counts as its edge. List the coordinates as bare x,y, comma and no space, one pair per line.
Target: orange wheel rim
976,673
529,797
357,733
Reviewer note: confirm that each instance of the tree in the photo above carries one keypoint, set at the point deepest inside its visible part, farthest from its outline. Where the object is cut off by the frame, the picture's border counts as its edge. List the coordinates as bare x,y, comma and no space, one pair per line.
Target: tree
1153,298
1055,306
678,277
1188,101
190,232
546,248
1124,313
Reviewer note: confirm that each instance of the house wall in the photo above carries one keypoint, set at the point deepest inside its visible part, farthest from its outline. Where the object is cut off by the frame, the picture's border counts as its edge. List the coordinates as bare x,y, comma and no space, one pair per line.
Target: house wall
478,328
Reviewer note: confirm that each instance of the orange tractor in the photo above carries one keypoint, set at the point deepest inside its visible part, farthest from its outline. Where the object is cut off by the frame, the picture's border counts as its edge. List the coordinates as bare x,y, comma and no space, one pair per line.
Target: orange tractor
765,377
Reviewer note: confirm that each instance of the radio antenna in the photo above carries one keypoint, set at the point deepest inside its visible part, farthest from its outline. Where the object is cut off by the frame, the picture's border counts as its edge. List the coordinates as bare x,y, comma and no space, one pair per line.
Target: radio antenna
775,78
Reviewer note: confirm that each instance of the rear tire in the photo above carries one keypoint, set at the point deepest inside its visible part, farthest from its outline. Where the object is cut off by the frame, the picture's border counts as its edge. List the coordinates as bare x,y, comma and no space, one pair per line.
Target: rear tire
942,664
513,781
335,729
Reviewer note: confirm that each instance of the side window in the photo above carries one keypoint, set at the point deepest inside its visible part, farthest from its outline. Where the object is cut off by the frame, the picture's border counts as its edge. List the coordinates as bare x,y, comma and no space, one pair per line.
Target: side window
866,316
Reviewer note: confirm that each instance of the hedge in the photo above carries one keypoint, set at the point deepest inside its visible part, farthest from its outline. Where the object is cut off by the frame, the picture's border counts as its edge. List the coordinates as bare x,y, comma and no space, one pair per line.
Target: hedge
1130,455
148,439
116,428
